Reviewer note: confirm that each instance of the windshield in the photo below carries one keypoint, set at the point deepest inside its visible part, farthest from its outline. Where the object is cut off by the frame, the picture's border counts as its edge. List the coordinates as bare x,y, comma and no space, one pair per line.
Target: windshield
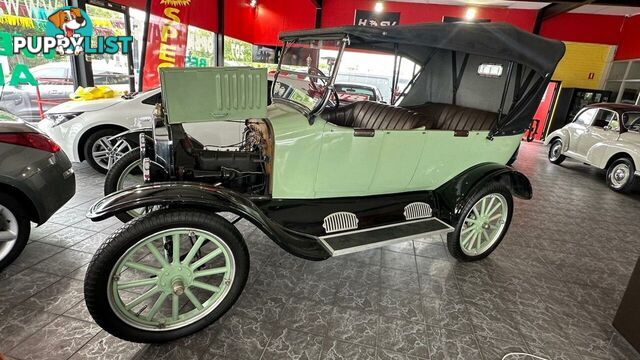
349,92
631,121
306,72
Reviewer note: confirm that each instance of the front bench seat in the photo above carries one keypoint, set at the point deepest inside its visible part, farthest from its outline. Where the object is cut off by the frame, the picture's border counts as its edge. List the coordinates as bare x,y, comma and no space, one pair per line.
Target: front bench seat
455,117
376,116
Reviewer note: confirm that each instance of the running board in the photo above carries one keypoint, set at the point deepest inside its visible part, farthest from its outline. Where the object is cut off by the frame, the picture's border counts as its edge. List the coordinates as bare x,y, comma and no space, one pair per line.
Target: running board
365,239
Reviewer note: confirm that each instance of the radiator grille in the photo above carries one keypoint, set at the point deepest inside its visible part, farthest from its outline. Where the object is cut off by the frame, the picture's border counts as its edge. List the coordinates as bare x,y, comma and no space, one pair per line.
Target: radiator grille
417,210
340,221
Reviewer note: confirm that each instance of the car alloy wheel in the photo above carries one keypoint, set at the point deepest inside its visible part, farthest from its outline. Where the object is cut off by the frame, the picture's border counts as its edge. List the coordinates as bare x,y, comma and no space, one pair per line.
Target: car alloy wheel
8,231
619,175
105,153
556,151
158,284
484,224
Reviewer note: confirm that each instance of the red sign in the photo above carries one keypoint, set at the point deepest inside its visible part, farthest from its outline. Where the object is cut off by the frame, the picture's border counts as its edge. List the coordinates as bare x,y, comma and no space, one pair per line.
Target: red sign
166,39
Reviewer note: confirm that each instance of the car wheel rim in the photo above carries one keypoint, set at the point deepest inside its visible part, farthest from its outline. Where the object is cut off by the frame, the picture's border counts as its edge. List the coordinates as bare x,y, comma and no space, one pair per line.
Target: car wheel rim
129,179
8,231
556,149
619,175
105,154
484,224
171,279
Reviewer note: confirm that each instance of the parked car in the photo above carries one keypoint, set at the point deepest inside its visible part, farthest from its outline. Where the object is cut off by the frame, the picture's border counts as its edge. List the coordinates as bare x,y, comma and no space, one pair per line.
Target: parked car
605,136
88,130
350,93
55,86
318,179
36,179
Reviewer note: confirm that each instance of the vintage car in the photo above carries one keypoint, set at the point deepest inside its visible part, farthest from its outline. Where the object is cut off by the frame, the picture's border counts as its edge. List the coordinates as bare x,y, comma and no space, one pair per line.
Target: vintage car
319,179
605,136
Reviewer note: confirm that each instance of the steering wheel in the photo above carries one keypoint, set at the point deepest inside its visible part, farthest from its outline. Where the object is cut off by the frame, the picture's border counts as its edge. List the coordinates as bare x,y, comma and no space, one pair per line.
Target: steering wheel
317,74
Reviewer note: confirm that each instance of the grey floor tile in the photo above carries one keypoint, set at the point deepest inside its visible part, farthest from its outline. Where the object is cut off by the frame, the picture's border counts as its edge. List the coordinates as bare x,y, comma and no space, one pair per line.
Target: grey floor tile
240,338
64,263
353,326
446,312
106,347
59,297
35,252
18,323
400,304
91,244
403,336
59,339
67,236
25,284
79,311
340,350
260,304
358,296
292,344
447,344
399,280
305,315
398,261
38,232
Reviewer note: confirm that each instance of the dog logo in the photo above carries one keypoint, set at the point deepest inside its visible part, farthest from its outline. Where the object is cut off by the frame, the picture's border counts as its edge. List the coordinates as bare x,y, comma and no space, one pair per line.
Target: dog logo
69,22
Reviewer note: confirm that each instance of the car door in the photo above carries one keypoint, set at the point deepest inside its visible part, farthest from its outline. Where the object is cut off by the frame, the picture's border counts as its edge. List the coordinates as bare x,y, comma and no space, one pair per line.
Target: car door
604,127
578,128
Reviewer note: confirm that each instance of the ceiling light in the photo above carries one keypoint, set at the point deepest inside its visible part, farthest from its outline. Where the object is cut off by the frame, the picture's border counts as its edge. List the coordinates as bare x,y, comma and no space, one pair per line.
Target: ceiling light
253,3
470,14
379,7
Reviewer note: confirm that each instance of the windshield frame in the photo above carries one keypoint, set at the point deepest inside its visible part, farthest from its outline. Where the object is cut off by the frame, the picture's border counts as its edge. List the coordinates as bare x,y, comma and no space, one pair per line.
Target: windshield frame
319,107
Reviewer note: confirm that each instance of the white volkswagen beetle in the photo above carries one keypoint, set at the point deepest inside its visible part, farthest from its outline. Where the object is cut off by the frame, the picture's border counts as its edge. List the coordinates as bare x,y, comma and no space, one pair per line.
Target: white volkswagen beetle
606,136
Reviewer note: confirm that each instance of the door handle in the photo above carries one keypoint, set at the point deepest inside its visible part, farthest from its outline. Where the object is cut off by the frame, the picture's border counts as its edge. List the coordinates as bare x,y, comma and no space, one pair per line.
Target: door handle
364,132
219,115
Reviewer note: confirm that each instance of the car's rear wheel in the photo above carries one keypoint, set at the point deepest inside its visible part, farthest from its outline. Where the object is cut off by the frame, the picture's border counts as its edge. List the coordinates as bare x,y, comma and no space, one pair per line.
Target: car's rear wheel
166,275
126,173
101,153
15,228
482,224
555,152
621,175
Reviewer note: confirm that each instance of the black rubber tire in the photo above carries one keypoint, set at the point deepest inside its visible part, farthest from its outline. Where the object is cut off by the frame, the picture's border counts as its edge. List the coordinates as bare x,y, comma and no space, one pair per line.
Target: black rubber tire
631,183
24,228
98,272
89,144
453,238
560,158
113,175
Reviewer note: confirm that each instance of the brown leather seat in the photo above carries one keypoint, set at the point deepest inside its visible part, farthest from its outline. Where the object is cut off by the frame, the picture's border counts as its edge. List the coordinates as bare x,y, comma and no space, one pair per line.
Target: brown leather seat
454,117
372,115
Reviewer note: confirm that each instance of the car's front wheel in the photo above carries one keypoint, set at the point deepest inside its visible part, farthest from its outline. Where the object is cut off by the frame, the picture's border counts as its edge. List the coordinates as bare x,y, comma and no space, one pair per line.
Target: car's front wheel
15,228
621,175
482,224
555,152
101,153
166,275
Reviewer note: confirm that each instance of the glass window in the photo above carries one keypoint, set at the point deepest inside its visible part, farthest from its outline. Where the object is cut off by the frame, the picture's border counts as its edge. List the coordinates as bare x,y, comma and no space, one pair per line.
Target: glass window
630,91
603,118
614,87
200,48
618,70
634,71
631,121
585,117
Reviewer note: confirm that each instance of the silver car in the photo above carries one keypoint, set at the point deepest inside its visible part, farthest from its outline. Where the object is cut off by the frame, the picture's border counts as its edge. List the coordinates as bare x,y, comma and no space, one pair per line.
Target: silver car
36,179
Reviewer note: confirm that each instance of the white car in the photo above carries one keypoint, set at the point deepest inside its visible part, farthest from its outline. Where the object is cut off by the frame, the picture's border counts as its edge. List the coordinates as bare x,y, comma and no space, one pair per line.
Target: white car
606,136
84,128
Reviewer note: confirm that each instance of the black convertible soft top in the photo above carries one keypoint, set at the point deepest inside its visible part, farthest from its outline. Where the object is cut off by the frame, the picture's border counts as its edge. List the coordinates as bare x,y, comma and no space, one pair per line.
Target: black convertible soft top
498,40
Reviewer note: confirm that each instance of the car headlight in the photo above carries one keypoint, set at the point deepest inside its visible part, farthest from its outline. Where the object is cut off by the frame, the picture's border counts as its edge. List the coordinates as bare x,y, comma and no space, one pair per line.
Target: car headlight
62,118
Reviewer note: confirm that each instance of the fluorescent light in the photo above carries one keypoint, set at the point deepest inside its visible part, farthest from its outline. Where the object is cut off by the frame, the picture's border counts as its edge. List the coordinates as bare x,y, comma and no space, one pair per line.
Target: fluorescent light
253,3
470,14
379,7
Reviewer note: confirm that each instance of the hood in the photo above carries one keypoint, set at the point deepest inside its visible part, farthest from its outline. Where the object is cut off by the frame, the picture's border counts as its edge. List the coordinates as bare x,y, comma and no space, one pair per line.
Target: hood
84,106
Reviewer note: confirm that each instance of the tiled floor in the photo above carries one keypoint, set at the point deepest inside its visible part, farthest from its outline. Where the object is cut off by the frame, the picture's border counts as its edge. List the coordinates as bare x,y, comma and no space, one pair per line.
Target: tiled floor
551,288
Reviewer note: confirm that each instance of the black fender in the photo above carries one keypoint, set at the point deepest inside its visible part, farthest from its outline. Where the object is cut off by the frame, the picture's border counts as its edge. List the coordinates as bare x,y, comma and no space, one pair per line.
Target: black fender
452,195
215,199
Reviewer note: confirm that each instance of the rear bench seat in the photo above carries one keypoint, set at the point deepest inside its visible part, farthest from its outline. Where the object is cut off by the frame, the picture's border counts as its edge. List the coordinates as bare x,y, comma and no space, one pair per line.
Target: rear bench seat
372,115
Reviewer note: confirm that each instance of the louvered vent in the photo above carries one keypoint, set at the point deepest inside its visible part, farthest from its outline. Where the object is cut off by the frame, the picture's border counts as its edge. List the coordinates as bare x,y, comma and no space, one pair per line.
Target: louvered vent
340,221
417,210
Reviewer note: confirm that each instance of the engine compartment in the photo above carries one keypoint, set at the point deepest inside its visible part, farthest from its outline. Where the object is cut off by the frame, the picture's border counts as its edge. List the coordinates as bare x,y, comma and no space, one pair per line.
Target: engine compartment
243,167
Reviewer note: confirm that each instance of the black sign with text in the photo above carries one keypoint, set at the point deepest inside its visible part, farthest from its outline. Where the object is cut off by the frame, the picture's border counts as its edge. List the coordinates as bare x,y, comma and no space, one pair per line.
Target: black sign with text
370,18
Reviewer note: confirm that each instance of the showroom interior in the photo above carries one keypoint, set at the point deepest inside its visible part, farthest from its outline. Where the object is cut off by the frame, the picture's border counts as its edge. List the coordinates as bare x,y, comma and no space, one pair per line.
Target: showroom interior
320,179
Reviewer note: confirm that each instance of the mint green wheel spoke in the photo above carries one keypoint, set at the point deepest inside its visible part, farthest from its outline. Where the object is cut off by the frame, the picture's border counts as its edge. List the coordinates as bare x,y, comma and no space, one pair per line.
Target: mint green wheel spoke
143,267
487,219
176,248
204,286
208,272
156,254
206,258
137,301
169,283
154,310
136,283
194,250
194,300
